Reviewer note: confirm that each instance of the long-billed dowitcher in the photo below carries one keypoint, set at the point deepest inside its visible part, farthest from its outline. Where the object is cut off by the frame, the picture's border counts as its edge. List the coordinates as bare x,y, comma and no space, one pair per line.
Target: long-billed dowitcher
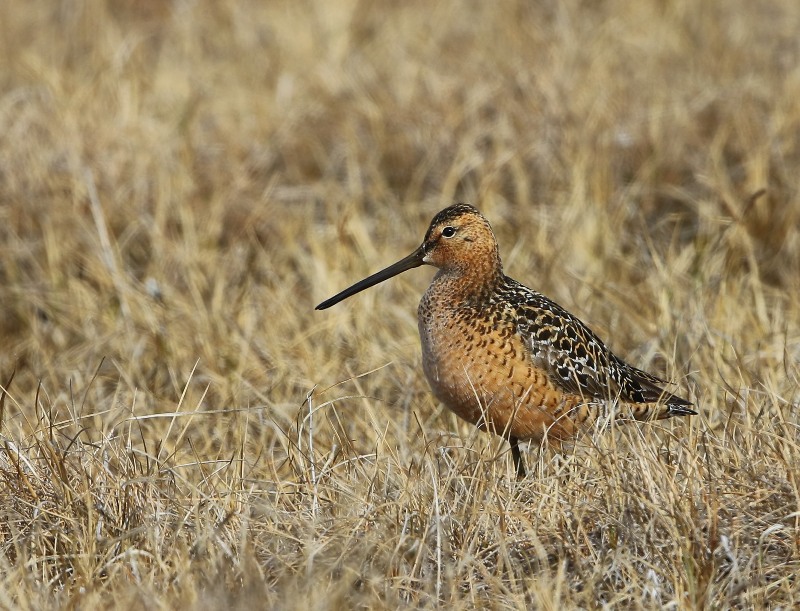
506,358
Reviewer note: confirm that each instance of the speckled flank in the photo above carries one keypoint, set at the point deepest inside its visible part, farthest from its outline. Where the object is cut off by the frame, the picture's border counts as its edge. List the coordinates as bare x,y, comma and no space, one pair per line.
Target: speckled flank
505,357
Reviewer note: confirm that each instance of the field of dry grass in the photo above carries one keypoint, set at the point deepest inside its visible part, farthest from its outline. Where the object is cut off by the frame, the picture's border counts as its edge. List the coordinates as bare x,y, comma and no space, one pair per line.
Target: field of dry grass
182,182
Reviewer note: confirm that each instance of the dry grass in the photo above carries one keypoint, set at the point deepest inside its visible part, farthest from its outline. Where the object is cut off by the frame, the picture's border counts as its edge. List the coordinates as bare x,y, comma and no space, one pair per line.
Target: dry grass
180,184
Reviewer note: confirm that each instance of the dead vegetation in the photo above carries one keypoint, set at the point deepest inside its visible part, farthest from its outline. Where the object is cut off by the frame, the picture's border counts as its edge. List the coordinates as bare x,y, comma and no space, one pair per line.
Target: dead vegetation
180,184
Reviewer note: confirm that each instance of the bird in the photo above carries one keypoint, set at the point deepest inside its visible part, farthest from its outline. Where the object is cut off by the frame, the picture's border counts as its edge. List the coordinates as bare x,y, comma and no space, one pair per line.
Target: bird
506,358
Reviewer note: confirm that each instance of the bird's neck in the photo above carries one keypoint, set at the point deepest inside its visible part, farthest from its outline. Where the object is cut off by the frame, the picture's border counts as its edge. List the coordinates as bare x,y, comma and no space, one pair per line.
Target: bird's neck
466,285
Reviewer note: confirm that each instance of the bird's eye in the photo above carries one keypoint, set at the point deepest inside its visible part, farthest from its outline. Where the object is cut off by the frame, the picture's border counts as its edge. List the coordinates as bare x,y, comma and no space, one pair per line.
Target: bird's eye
448,232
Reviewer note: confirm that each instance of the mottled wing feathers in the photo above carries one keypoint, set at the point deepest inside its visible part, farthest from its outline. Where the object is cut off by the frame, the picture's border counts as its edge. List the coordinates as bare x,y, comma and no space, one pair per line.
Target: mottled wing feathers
574,357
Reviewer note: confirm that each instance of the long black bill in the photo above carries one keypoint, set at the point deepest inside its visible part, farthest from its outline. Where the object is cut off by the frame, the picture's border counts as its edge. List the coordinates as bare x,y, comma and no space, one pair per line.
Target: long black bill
410,262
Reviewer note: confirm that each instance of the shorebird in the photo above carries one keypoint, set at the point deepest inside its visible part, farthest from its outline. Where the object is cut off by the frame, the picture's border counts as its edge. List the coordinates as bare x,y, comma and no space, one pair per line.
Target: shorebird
505,357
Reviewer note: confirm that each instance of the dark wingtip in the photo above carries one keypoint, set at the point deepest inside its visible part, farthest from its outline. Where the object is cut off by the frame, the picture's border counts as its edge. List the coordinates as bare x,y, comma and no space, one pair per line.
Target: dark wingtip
681,410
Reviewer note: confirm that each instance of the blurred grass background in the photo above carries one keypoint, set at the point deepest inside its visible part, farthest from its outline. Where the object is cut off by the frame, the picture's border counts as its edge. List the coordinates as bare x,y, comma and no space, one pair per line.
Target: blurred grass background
181,182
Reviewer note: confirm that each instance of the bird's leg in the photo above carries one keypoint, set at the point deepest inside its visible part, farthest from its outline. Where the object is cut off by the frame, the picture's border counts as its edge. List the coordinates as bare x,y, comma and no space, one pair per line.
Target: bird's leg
517,456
